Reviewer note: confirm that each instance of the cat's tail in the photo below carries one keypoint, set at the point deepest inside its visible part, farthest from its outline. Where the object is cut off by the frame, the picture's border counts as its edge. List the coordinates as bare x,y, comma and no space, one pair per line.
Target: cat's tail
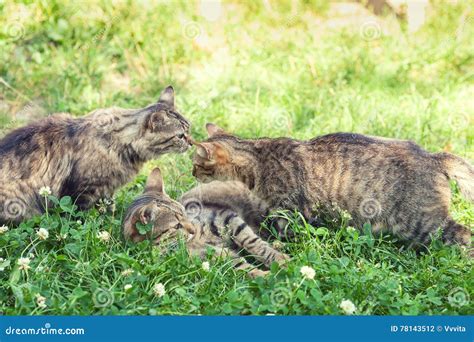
461,171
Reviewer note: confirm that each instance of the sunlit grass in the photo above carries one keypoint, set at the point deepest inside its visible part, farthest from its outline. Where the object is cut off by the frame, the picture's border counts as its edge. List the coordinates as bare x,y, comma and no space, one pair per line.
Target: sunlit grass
258,71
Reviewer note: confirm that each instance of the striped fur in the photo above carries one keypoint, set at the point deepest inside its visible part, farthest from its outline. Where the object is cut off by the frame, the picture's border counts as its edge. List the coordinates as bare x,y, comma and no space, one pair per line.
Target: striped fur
224,216
394,185
86,158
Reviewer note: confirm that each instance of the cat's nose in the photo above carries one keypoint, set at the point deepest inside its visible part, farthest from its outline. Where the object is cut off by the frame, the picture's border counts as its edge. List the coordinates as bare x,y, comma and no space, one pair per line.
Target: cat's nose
189,139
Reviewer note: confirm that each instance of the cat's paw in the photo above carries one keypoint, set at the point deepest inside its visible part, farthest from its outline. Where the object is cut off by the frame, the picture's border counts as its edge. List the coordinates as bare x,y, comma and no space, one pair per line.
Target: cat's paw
282,259
255,273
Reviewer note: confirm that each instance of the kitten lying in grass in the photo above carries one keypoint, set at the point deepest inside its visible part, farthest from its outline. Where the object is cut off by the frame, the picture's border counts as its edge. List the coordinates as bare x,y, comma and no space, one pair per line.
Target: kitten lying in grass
86,158
394,185
212,215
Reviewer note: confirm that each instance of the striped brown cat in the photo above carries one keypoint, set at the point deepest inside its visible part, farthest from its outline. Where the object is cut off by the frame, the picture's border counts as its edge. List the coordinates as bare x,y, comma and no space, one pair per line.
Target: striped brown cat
86,158
223,216
394,185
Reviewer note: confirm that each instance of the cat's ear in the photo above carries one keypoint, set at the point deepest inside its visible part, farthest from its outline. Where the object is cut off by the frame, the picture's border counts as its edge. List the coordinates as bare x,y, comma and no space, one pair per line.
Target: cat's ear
213,130
205,150
212,151
154,183
147,215
167,97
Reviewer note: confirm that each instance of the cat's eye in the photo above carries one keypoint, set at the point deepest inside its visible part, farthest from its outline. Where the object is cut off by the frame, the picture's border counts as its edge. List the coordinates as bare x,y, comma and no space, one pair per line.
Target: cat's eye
181,136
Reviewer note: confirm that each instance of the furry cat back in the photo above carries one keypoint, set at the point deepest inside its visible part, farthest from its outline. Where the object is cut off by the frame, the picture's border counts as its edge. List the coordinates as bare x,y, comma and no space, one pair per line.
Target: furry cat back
86,158
394,185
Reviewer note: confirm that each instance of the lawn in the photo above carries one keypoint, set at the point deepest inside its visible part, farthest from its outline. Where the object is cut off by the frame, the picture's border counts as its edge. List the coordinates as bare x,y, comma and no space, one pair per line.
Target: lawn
299,69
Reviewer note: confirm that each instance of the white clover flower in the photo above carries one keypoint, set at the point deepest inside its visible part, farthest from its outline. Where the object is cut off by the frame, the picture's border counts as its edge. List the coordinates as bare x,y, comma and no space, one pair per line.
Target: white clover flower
2,268
159,290
24,264
127,272
103,236
308,272
206,266
61,237
42,233
127,287
3,229
351,230
346,215
347,307
45,191
278,245
41,301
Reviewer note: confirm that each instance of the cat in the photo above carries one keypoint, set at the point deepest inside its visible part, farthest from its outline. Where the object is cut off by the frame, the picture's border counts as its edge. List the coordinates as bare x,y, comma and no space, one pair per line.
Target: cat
87,158
219,215
394,185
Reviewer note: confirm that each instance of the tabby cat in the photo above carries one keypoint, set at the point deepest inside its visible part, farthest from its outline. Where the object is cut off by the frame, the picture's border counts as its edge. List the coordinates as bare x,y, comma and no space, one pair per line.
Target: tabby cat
86,158
394,185
219,215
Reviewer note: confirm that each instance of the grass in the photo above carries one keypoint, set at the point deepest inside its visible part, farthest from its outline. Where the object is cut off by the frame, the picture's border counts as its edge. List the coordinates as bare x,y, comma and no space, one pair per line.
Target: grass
258,70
